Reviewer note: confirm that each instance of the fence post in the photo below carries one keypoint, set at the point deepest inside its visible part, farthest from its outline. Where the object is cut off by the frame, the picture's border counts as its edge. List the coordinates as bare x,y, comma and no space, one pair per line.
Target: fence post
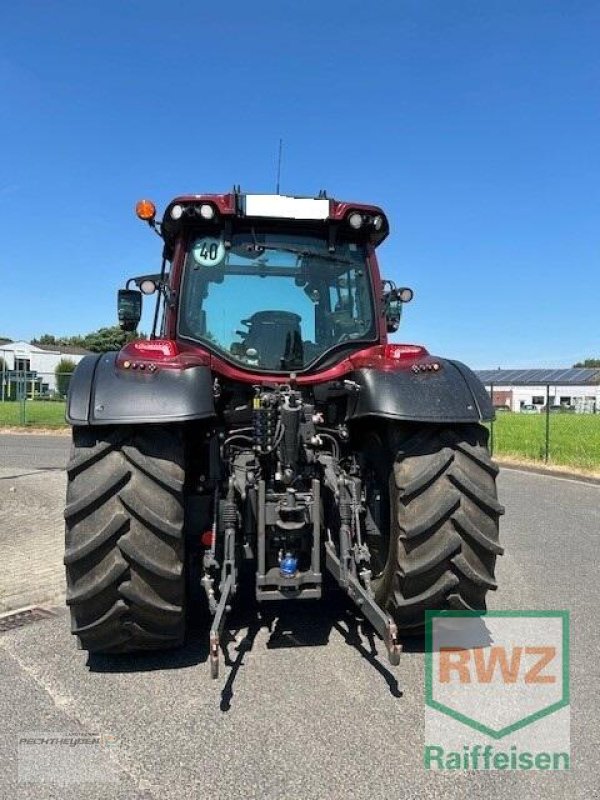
492,422
547,452
22,384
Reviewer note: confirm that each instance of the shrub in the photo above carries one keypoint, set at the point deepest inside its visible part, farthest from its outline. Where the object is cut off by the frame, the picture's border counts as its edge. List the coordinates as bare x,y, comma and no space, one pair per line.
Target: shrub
63,371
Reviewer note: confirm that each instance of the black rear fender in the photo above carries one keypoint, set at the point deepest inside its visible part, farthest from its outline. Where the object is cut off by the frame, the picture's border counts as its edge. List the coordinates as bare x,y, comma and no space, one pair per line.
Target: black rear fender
450,394
101,394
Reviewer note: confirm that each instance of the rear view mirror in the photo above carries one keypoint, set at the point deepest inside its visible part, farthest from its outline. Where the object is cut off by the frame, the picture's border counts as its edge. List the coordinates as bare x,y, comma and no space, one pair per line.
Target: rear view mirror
129,309
393,313
393,299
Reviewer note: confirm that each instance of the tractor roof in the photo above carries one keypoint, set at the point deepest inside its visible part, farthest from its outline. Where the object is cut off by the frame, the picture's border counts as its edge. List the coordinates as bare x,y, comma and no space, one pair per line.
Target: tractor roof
367,221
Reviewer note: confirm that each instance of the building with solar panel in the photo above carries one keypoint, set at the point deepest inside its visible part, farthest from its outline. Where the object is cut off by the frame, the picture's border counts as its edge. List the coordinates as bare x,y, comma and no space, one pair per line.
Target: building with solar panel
576,389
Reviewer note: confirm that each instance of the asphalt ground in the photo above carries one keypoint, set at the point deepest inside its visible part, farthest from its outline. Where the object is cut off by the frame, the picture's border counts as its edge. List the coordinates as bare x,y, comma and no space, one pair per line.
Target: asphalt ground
32,490
33,451
306,706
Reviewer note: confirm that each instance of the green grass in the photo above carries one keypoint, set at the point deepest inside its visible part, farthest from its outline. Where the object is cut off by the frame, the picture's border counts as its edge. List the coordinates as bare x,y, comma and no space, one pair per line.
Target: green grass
38,414
574,438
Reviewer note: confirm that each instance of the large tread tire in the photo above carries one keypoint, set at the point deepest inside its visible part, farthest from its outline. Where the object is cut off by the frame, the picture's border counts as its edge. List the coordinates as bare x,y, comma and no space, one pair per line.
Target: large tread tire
443,521
124,551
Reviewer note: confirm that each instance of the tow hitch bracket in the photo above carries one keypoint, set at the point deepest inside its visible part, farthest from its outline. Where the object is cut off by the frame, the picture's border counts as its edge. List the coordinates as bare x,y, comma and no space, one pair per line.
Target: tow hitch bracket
365,600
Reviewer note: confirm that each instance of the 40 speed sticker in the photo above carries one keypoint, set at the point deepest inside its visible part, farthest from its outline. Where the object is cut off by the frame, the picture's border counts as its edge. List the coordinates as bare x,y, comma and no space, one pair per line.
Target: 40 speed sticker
208,251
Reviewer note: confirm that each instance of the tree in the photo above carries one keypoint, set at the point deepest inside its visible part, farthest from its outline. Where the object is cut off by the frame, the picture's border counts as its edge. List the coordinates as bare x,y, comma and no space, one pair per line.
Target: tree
105,339
63,371
45,338
100,341
72,341
589,363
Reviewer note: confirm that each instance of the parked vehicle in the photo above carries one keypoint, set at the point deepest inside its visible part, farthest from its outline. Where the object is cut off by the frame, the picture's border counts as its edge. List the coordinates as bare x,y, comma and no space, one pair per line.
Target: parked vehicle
528,408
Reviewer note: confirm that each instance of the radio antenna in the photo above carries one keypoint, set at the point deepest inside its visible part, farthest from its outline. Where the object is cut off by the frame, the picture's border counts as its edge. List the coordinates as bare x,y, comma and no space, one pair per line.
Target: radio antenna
279,165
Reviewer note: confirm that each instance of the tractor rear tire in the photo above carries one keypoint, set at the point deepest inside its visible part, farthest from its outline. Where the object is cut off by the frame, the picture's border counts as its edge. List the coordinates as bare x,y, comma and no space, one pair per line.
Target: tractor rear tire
439,485
124,552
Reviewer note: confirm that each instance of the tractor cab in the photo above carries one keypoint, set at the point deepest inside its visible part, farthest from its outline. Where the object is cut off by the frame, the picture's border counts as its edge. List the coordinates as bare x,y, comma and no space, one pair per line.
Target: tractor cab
273,283
275,301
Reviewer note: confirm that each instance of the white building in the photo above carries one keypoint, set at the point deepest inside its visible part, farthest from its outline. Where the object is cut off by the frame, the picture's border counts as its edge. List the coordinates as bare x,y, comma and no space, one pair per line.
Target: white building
33,363
576,388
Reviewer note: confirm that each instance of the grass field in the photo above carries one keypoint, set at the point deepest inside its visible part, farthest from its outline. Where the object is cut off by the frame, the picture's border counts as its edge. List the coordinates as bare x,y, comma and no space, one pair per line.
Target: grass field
574,438
38,414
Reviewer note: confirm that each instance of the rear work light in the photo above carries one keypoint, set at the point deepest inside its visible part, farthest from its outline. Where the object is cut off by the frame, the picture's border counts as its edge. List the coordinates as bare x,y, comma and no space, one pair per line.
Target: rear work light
356,221
205,211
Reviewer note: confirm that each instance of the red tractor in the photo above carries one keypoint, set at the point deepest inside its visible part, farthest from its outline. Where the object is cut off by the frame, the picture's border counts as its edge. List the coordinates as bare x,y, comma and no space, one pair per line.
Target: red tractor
269,423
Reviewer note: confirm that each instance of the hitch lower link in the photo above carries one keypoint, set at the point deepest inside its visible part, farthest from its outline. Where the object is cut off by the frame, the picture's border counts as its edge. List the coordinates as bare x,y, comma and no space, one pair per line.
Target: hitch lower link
352,569
228,584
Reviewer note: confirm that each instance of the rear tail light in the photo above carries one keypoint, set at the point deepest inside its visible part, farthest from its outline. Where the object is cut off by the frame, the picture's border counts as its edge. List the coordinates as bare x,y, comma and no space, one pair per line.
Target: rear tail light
207,539
383,355
151,348
397,352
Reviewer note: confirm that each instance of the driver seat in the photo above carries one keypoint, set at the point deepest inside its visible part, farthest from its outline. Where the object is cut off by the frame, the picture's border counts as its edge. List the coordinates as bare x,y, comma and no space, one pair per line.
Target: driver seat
276,336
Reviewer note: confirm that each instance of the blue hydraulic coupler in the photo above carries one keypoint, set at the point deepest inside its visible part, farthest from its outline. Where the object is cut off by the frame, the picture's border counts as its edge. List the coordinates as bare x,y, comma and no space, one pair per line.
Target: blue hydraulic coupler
288,566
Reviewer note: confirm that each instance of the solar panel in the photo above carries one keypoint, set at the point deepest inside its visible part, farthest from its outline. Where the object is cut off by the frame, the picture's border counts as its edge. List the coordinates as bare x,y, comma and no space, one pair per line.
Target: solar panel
574,376
562,375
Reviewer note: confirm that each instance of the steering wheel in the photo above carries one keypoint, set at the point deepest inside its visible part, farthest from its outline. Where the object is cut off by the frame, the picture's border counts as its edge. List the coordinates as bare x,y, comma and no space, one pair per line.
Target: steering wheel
349,335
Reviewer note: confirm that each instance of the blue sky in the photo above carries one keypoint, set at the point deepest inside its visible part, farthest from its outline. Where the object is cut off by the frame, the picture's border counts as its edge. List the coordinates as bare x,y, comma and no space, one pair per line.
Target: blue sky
474,123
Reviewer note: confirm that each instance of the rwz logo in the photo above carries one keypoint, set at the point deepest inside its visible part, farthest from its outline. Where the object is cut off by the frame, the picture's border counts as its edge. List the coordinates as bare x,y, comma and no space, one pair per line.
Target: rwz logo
483,666
497,672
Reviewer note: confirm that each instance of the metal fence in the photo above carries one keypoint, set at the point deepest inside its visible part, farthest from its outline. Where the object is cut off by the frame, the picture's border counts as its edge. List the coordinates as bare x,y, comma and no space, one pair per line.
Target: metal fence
28,397
547,431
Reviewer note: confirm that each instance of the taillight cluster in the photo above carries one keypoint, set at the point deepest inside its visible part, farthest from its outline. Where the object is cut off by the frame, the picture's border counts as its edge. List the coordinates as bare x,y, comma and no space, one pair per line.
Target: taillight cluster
395,356
398,352
144,353
153,348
